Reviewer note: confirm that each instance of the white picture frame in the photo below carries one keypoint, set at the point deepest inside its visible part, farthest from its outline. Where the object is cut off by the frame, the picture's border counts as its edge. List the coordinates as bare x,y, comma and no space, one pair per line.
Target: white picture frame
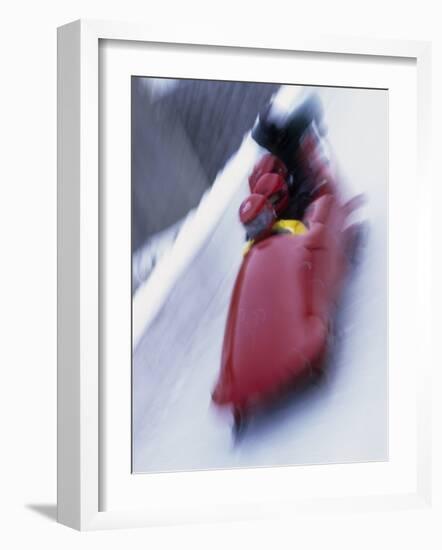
80,445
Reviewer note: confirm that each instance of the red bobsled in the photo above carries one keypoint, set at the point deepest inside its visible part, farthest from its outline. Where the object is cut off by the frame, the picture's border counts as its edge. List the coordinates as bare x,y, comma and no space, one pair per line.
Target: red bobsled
282,306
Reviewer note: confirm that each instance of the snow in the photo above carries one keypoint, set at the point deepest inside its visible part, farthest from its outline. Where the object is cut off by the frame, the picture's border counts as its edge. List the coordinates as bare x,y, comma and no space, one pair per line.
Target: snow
180,313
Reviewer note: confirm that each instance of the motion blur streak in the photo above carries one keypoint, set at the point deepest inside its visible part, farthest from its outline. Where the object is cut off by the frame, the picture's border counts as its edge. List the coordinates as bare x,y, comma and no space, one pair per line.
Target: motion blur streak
177,359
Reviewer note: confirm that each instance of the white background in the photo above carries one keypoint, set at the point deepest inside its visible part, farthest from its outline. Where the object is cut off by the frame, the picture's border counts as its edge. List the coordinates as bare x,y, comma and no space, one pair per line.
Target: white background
28,276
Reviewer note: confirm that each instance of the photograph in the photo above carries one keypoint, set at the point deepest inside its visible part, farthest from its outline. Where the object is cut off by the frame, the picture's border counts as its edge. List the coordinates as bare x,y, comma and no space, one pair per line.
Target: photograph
259,250
221,275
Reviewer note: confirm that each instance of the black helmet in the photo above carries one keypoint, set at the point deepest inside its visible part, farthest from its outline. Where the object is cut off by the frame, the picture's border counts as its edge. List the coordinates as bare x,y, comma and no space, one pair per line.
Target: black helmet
268,130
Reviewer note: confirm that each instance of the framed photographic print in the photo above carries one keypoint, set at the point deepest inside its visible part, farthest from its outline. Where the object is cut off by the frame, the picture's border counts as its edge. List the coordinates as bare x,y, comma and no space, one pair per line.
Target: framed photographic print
241,323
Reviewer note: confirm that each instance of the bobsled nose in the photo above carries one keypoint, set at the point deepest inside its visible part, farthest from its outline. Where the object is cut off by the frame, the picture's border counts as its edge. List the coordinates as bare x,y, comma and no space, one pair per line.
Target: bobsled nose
220,394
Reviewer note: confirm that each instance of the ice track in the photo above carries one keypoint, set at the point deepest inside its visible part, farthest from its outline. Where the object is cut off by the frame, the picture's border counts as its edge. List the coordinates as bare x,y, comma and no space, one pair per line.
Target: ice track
179,327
